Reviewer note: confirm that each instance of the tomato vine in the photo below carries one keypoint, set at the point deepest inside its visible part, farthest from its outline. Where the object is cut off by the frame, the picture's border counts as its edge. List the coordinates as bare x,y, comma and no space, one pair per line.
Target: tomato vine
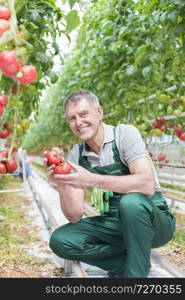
125,51
28,45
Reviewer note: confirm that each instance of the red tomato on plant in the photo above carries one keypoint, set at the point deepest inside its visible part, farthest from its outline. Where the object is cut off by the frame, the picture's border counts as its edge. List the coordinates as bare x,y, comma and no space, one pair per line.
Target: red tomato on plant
53,158
4,133
14,149
161,157
178,130
182,136
4,26
27,74
9,63
163,128
4,12
11,165
171,124
151,154
162,120
3,100
2,168
155,124
63,168
3,154
1,111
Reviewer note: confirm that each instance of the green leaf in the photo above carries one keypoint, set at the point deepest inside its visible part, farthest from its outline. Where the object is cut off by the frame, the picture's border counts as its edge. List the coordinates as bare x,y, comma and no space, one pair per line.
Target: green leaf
146,70
153,57
130,70
71,3
73,21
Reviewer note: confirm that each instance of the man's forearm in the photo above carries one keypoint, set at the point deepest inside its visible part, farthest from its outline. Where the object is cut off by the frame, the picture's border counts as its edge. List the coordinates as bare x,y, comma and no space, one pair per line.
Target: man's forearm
71,203
124,184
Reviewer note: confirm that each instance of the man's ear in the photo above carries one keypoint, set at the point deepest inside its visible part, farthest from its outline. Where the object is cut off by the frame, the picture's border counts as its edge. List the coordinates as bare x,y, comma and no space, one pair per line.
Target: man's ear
100,111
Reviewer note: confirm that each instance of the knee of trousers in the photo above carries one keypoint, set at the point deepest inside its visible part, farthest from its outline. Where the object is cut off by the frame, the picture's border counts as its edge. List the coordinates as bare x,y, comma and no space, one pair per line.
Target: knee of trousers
132,205
58,243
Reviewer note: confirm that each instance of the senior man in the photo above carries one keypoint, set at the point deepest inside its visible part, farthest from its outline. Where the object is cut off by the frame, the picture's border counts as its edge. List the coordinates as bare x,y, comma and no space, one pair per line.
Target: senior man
115,159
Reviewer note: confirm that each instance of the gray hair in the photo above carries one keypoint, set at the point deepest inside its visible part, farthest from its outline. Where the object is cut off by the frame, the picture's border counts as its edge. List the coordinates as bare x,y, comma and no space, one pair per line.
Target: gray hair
78,95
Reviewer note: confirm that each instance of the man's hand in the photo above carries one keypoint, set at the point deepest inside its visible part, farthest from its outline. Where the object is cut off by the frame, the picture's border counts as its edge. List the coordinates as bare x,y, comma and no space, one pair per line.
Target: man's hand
50,172
81,178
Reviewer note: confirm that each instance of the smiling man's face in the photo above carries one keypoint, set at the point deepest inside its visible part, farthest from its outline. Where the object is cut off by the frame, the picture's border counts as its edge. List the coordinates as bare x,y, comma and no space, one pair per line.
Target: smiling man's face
84,118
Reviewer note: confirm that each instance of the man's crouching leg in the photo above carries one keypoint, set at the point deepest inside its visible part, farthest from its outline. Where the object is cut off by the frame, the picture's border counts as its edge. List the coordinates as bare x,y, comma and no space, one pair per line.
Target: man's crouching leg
64,242
136,215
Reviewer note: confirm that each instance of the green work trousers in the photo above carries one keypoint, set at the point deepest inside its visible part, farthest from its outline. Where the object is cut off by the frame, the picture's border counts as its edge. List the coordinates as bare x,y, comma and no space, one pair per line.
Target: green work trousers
120,242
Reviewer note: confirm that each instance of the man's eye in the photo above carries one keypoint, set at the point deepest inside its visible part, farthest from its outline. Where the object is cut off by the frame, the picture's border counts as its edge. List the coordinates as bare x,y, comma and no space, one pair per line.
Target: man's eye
84,114
71,119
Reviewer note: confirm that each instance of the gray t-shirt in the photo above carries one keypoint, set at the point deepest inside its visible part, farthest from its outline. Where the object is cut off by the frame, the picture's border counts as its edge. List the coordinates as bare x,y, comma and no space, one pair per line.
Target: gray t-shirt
129,143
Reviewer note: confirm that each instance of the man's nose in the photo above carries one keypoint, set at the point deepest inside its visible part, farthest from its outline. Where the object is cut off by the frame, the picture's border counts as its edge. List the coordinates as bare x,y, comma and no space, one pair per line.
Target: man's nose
78,121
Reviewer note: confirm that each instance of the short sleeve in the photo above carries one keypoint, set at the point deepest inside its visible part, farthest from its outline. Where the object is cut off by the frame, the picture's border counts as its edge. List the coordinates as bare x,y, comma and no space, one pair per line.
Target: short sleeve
130,143
74,155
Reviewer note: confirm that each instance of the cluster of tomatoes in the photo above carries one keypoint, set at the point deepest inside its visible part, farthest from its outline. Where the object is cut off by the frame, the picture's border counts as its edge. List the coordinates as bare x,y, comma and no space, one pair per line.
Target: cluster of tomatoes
4,19
11,67
7,166
160,158
55,158
161,125
4,132
9,63
3,103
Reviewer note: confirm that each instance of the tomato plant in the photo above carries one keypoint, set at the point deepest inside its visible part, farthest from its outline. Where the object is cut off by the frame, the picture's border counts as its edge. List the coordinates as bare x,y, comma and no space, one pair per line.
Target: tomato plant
26,57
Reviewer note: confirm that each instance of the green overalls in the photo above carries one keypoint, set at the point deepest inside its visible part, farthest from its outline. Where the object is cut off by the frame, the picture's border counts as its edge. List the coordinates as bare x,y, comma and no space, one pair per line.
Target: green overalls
120,240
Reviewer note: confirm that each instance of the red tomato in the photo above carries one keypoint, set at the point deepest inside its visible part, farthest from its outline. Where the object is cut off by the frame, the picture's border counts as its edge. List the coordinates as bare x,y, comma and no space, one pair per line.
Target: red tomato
151,154
161,157
9,63
178,130
11,165
162,120
1,110
163,128
27,74
2,168
53,158
3,100
3,154
4,133
14,149
4,26
4,13
171,124
155,124
63,168
182,136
